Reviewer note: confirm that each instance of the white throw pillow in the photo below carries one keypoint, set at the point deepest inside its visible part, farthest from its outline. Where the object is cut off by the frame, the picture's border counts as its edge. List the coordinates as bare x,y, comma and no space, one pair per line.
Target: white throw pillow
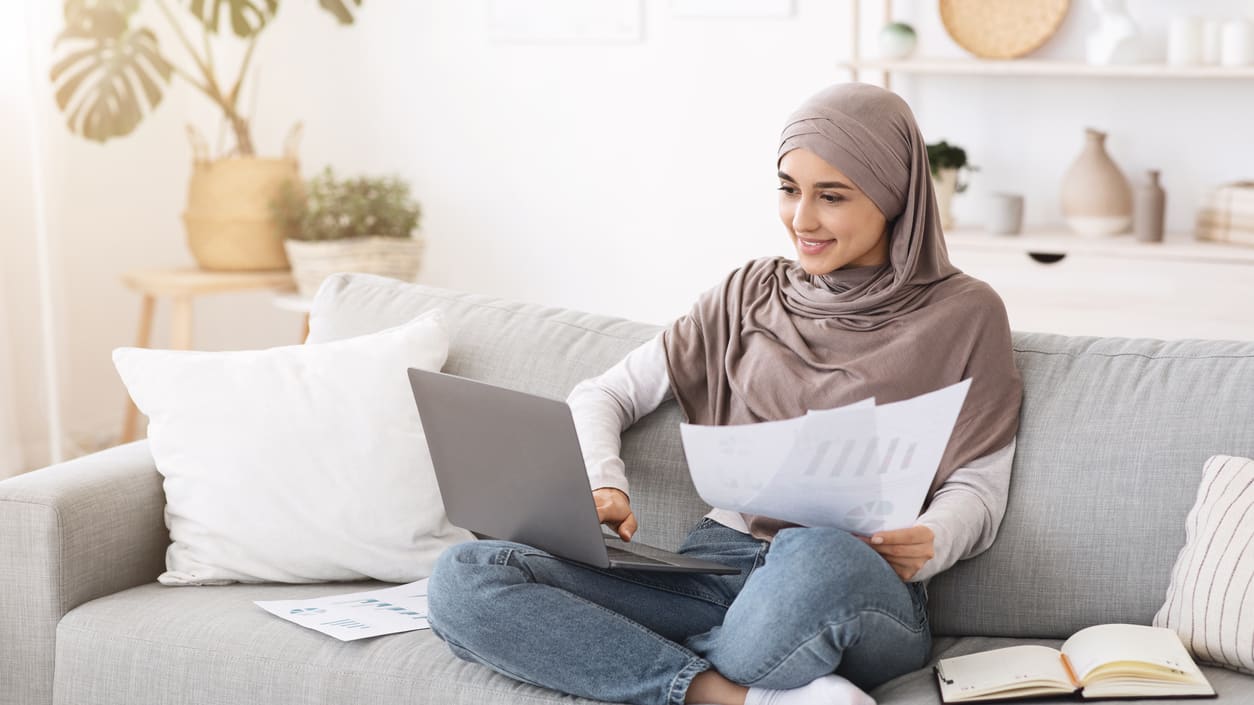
295,464
1210,600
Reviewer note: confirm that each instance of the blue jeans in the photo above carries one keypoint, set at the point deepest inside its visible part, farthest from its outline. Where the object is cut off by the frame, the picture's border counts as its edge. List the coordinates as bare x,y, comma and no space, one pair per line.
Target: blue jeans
811,602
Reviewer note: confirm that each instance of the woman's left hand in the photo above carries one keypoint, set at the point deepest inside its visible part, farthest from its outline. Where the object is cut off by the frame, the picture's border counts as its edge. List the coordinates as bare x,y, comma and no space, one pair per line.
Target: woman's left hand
906,550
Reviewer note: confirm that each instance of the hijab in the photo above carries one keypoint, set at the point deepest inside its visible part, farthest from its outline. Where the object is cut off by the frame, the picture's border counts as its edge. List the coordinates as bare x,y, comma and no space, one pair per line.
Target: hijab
771,341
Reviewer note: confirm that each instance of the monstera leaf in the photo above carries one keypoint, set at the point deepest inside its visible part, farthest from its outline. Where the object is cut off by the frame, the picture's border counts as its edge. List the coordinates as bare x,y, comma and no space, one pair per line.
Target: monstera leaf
339,8
103,66
248,17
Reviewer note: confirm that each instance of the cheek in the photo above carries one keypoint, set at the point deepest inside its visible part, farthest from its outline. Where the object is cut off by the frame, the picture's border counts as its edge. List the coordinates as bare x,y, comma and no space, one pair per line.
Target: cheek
786,212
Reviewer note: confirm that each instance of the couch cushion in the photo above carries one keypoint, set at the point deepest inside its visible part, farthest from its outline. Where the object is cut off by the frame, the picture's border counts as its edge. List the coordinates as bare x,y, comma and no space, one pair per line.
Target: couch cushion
1113,436
536,349
162,645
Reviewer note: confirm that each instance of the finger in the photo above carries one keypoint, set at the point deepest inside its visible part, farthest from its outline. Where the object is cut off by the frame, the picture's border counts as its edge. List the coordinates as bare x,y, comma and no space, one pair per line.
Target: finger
628,527
914,534
911,550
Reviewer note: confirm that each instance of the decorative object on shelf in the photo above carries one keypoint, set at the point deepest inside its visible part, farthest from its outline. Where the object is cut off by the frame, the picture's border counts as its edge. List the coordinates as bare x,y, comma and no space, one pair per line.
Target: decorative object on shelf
1227,214
1005,213
1184,41
103,62
996,29
1096,197
1116,39
1237,43
358,224
1212,35
946,163
897,41
1150,203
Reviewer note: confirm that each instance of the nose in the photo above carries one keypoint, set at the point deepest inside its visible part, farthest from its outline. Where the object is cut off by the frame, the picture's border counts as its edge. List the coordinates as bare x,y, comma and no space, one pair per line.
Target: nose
803,218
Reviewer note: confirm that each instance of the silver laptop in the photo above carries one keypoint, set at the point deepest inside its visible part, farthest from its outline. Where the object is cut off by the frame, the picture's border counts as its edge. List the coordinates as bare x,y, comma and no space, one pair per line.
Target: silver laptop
509,466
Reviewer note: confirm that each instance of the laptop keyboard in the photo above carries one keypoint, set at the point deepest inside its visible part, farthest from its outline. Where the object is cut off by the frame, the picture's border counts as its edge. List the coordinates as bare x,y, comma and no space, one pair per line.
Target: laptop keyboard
617,553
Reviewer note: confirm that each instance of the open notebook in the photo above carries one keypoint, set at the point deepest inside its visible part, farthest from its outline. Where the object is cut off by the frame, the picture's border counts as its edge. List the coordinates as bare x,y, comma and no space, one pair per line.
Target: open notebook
1106,661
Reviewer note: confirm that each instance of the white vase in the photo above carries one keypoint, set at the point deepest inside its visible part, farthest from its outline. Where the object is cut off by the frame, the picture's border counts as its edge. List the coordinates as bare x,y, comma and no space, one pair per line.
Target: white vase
945,183
1116,39
1096,196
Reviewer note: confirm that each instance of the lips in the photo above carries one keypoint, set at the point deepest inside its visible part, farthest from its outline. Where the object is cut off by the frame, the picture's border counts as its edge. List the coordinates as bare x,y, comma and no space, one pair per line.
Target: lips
811,249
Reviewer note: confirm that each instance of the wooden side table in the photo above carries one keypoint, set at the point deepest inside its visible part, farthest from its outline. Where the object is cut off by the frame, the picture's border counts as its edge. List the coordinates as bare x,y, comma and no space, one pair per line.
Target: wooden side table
182,286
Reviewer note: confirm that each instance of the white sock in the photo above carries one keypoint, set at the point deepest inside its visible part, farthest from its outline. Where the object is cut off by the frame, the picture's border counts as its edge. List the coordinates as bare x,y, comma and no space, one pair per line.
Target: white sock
828,690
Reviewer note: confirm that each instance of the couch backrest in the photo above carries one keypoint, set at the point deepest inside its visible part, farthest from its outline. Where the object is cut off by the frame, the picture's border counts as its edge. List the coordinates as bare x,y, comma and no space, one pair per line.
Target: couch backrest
1113,436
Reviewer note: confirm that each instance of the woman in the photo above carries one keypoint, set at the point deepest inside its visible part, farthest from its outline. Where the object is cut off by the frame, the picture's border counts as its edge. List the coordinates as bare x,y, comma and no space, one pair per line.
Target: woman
870,307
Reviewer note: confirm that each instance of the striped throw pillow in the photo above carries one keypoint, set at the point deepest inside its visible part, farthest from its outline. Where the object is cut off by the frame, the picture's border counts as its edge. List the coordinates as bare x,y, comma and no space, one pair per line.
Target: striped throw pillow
1210,600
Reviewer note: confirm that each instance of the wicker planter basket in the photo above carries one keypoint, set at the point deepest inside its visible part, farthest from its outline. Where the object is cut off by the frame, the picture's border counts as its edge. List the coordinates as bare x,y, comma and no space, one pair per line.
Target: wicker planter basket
228,222
315,260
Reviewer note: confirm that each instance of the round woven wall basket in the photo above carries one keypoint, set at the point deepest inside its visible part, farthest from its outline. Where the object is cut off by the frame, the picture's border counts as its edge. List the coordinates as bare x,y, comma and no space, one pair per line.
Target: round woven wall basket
1002,29
315,260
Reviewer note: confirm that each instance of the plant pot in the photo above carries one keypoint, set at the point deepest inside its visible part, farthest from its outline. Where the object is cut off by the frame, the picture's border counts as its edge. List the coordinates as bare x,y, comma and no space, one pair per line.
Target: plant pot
945,183
315,260
228,220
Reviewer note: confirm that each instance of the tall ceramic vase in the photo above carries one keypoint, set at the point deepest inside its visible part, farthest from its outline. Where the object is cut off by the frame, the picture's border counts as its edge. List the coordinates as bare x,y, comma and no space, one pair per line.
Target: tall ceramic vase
1096,196
945,184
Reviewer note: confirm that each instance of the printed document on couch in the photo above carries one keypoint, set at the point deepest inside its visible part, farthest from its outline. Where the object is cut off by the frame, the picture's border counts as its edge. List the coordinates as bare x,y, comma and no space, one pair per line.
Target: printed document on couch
358,615
862,467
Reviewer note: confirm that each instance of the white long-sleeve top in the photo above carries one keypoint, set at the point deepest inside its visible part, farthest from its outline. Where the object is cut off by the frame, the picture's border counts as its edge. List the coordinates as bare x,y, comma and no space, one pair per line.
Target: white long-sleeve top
965,512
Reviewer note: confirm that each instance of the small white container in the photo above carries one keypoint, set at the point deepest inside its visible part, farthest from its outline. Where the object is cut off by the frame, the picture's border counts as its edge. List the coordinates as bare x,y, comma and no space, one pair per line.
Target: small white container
1237,43
1184,41
1212,36
897,40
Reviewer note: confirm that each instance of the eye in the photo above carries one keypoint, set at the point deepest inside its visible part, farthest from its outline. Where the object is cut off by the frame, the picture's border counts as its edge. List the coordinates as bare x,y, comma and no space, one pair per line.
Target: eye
832,198
787,189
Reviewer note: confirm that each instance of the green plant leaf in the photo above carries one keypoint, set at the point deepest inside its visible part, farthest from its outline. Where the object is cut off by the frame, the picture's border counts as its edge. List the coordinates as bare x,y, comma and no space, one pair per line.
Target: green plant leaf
248,17
339,8
101,67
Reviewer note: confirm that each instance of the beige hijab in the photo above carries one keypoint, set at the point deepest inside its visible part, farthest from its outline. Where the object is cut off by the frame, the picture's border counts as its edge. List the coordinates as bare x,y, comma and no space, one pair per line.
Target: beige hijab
771,341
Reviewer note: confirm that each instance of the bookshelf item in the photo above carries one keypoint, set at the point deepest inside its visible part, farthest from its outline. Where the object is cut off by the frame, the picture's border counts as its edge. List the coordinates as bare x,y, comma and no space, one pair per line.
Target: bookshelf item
993,29
1101,662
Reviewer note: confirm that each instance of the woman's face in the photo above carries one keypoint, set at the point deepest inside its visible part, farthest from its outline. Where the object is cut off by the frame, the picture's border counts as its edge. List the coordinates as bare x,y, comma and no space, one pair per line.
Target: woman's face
819,204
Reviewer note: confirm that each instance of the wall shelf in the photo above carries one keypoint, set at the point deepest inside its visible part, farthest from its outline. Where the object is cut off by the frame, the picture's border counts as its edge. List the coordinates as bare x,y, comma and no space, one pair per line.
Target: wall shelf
1040,67
1176,246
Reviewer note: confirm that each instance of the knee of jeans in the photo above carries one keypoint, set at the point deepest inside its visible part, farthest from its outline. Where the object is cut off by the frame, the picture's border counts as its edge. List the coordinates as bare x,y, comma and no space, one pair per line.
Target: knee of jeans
460,577
830,557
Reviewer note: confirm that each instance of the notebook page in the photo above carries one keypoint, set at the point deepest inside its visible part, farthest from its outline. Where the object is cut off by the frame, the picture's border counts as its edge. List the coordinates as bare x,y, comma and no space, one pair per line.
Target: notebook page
1093,646
1001,668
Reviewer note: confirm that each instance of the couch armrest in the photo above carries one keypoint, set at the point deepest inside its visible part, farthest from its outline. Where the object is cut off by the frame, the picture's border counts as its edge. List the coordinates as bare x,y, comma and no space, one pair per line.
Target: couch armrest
70,533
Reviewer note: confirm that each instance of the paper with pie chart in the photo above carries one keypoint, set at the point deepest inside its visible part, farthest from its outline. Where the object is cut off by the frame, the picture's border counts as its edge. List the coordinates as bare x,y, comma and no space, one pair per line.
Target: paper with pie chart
358,615
863,467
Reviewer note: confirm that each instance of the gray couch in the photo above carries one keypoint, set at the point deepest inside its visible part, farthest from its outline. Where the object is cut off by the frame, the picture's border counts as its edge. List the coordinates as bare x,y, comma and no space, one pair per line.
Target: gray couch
1113,437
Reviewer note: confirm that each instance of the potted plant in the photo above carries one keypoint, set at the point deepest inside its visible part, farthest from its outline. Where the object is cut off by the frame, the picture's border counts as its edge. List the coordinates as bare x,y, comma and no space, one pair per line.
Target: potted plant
108,74
947,163
360,224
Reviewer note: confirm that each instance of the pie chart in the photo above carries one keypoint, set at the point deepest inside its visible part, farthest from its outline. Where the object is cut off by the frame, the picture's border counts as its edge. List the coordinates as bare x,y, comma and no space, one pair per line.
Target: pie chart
868,517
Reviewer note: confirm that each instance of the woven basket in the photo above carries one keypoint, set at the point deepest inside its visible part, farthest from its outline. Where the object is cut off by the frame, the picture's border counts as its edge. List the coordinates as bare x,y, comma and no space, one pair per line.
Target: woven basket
1002,29
228,221
315,260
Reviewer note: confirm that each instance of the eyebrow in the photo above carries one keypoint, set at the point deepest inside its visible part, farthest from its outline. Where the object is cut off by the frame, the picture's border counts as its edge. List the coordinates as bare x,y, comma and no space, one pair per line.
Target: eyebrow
820,184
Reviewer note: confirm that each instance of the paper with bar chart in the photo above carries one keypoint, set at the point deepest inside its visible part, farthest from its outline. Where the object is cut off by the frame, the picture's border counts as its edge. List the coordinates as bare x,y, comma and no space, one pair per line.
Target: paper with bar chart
863,467
358,615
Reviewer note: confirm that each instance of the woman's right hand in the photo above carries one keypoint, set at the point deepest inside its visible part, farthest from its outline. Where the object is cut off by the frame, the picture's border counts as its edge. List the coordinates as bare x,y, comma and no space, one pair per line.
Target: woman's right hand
614,510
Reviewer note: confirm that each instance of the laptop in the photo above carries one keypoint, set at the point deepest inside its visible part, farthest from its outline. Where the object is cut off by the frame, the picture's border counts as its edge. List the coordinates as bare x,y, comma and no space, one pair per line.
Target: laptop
509,466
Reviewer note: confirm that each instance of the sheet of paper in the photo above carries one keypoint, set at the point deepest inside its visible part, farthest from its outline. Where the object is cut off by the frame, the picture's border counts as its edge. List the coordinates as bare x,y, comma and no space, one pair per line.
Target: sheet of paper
358,615
861,467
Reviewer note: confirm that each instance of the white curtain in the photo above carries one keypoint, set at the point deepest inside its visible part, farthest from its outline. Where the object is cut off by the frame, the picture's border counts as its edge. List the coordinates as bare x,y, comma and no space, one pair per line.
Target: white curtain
12,459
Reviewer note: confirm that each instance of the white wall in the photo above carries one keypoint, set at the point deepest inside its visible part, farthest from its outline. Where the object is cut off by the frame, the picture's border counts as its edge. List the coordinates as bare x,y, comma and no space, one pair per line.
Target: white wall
616,178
